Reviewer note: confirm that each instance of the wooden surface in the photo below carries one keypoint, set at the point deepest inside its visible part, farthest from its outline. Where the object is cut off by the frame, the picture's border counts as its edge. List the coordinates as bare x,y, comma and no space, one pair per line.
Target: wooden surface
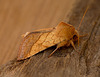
20,16
66,62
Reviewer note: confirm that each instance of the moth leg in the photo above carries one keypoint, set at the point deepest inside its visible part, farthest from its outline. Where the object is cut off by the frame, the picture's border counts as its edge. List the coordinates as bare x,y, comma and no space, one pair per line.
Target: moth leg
63,43
83,35
72,43
23,35
52,53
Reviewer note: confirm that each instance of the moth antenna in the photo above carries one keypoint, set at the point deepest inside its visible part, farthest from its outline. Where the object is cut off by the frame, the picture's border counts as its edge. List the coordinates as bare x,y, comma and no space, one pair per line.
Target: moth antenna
81,22
82,18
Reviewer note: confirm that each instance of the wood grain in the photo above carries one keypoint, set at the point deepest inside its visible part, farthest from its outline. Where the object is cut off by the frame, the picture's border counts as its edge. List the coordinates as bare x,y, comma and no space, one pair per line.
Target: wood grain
20,16
66,62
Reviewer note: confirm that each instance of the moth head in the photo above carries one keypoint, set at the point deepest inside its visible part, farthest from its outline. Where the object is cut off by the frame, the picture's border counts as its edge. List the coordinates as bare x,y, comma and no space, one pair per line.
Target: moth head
75,36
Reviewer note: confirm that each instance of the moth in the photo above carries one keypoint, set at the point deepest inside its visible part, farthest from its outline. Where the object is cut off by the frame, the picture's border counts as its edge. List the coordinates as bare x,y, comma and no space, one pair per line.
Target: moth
34,42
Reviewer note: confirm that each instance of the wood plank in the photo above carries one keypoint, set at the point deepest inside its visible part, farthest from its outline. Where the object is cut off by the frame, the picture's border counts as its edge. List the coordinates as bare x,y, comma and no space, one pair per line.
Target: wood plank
66,62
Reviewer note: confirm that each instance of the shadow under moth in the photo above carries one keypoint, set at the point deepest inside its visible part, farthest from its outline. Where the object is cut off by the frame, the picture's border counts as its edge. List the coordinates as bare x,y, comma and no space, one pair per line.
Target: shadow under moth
34,42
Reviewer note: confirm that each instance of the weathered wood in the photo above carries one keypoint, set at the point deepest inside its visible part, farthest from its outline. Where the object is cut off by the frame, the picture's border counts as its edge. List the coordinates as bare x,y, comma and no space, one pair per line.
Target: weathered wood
66,62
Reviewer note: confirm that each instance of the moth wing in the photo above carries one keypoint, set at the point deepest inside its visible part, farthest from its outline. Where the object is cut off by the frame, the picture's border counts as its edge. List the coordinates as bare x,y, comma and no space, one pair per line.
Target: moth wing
28,42
39,40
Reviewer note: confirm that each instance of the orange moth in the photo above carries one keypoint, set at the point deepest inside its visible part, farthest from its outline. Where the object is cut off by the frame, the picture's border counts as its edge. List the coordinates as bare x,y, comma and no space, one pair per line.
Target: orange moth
34,42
